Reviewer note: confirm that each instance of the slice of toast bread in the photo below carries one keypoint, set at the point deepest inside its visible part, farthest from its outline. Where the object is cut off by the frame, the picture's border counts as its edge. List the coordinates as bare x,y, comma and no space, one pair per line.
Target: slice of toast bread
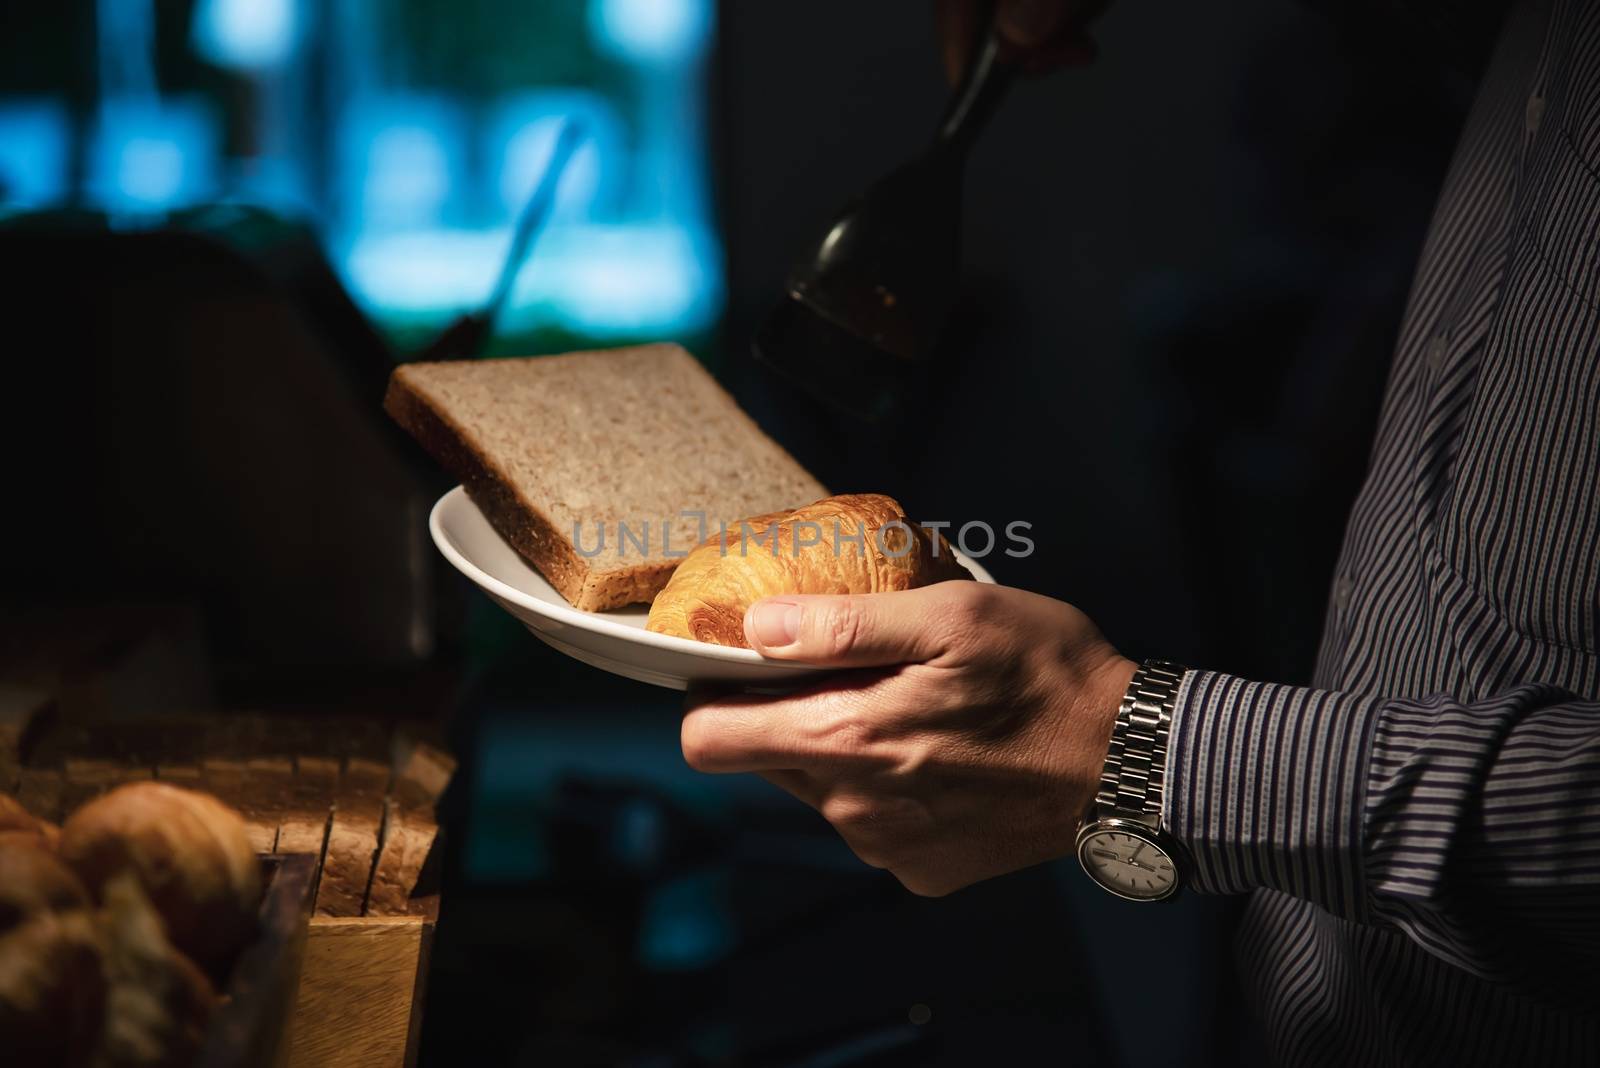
561,453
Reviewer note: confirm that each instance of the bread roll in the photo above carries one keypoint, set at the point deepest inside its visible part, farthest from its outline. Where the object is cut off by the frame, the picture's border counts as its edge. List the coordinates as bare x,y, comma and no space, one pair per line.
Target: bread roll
51,989
18,825
190,852
852,543
33,880
27,839
13,817
157,1002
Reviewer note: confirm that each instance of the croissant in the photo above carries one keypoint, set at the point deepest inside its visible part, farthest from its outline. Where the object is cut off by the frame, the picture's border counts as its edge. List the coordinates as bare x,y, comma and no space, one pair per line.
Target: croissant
852,543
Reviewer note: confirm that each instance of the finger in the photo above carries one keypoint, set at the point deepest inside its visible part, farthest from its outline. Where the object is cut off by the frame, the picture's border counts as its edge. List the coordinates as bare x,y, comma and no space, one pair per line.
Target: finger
956,21
796,784
718,742
804,731
1030,23
1039,39
863,630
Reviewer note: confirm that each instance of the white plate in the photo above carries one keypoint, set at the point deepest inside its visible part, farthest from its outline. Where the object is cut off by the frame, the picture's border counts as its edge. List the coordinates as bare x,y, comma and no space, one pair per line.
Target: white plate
613,641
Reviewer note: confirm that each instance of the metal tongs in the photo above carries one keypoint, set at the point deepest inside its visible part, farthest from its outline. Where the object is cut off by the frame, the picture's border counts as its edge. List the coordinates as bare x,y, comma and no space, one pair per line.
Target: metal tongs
867,307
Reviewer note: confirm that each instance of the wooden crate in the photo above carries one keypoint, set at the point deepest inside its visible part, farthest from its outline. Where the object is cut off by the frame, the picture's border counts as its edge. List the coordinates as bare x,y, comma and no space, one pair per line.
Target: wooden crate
361,987
252,1024
364,961
353,794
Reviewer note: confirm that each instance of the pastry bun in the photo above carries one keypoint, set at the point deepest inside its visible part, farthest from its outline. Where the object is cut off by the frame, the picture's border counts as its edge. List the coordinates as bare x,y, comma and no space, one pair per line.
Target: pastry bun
851,543
191,854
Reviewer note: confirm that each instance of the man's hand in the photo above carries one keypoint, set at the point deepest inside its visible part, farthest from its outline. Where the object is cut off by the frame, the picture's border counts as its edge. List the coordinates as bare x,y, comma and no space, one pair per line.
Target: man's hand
969,745
1036,35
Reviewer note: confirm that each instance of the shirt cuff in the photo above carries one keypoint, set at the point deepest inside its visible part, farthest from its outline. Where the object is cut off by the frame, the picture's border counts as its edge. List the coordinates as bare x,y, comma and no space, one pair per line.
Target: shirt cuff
1266,787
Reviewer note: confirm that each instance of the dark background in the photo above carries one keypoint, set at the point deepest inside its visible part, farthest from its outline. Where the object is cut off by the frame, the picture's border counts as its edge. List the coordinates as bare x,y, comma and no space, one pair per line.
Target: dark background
1186,267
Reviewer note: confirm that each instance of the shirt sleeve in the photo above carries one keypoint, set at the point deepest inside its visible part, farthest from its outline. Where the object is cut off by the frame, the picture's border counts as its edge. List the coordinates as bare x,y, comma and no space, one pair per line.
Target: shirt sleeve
1474,828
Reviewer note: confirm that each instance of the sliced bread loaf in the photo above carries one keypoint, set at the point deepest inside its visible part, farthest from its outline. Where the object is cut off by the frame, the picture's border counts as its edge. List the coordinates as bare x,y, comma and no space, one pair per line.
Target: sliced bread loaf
563,452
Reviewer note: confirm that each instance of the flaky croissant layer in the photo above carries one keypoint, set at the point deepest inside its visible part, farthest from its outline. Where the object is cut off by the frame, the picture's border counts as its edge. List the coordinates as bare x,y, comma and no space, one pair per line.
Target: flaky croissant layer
851,543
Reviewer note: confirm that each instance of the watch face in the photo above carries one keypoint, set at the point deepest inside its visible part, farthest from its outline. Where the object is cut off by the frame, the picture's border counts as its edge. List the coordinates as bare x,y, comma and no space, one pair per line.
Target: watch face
1128,864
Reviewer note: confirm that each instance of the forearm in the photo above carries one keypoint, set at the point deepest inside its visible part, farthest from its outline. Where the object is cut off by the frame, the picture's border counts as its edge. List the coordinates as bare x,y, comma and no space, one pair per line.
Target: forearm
1475,828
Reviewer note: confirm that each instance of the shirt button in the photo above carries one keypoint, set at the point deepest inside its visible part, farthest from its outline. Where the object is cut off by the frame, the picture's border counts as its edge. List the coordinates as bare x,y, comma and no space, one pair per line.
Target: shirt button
1341,593
1436,353
1534,113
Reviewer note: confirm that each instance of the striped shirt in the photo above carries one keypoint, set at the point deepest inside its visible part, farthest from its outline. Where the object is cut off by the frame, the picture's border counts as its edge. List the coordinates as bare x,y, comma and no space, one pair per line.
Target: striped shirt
1420,832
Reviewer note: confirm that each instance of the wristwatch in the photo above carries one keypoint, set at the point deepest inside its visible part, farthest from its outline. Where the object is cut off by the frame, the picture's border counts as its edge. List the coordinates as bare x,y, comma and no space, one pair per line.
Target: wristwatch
1121,842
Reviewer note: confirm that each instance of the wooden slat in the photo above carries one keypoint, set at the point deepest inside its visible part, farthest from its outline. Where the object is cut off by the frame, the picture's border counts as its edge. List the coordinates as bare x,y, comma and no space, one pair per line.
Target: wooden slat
251,1025
356,988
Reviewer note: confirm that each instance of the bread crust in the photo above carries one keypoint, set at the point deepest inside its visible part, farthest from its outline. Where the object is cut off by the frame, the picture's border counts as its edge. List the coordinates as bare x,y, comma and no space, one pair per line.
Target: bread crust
520,521
528,525
353,837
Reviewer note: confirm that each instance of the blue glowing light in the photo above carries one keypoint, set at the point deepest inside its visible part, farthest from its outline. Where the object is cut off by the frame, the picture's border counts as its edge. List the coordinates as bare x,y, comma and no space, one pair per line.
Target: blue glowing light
595,278
410,175
651,30
150,170
248,34
33,153
271,181
401,158
528,154
522,132
427,191
150,156
685,924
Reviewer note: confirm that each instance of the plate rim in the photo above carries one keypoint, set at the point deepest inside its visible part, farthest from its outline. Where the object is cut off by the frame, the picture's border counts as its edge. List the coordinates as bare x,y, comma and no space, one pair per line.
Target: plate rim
594,621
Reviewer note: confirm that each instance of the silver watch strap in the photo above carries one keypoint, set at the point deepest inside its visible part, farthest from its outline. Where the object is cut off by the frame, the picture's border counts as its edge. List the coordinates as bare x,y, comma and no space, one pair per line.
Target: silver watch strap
1134,779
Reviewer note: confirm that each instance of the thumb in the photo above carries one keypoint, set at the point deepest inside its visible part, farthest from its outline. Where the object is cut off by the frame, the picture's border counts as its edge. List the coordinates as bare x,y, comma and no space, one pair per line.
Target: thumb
854,630
1030,23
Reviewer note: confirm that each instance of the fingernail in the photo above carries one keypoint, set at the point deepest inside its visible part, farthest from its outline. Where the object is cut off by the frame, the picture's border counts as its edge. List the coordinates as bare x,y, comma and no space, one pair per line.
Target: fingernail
1029,22
775,624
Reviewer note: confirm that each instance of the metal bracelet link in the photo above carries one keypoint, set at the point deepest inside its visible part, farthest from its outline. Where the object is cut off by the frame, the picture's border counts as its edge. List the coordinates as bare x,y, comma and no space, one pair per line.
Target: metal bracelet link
1134,778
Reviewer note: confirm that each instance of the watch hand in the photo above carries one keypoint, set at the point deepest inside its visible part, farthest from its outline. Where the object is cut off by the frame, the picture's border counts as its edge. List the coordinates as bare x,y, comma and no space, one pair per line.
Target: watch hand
1134,858
1120,859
